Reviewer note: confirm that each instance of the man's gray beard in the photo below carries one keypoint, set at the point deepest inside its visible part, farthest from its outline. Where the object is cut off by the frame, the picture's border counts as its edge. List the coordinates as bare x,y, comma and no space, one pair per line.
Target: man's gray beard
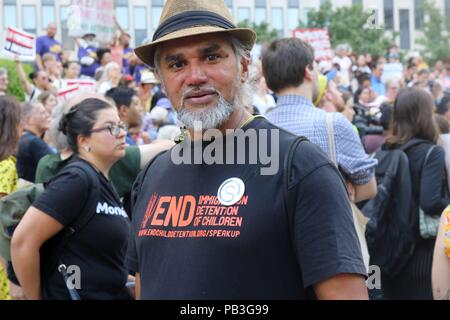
210,118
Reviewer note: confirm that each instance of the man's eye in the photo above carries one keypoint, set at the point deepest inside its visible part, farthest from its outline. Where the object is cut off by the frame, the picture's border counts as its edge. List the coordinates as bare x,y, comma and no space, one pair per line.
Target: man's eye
176,65
212,57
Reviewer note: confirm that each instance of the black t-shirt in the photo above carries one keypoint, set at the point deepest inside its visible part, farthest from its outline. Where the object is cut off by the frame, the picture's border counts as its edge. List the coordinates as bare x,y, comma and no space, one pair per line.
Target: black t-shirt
187,245
31,150
98,249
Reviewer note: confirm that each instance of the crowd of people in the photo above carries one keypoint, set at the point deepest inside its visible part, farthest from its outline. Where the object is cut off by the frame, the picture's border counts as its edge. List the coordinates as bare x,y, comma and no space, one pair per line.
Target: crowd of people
100,153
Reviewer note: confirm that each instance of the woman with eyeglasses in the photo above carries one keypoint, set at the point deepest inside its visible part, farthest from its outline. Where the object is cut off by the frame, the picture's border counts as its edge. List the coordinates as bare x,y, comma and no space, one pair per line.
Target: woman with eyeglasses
91,265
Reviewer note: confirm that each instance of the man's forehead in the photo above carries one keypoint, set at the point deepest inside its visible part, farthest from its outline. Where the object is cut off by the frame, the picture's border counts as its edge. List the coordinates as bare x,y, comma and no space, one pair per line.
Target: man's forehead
177,46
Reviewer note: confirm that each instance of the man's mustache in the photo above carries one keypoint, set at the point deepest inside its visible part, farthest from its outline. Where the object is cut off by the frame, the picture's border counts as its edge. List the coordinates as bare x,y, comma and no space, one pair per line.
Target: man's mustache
198,91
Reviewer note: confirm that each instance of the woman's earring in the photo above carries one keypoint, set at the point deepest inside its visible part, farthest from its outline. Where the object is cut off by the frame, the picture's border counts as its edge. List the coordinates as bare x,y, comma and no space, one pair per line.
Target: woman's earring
87,148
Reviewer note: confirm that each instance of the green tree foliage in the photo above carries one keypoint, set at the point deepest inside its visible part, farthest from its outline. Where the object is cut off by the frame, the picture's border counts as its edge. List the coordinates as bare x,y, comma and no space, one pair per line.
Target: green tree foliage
14,86
435,41
263,32
352,25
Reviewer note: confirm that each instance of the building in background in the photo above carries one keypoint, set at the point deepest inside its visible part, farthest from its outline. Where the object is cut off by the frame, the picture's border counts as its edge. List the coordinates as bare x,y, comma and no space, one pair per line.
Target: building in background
140,17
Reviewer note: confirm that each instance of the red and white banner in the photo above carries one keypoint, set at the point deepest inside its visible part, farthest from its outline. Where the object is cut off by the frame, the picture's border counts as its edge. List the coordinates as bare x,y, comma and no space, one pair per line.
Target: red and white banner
74,87
319,39
84,85
19,43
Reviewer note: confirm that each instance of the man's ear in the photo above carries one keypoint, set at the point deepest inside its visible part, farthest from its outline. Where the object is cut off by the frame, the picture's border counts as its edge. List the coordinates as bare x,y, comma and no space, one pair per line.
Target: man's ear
244,67
309,73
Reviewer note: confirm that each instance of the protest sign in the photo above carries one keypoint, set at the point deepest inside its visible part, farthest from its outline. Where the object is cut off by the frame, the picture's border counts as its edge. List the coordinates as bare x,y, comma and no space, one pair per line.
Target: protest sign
74,87
89,16
319,39
19,43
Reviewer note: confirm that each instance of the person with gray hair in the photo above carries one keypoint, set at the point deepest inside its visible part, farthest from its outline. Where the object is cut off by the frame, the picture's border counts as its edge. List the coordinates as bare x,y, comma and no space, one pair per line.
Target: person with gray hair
229,218
35,122
3,81
110,77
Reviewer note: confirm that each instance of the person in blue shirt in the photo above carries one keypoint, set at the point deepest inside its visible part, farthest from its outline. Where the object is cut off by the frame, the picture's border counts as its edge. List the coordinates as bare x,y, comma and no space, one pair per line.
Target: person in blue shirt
377,83
291,73
87,55
47,43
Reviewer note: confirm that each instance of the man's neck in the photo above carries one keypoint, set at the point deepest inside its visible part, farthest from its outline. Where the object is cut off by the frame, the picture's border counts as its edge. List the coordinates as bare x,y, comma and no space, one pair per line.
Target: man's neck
304,91
34,130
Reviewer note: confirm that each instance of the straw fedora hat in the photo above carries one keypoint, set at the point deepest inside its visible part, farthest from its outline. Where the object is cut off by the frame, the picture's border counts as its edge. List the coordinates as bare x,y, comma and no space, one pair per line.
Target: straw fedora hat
185,18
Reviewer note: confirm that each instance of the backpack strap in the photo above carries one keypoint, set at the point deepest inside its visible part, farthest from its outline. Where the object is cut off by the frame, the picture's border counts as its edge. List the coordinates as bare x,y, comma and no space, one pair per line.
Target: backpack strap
290,198
56,247
288,193
331,140
428,155
94,184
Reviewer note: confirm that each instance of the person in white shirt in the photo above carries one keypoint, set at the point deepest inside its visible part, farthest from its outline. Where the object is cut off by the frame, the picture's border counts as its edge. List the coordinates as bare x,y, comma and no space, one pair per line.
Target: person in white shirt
262,100
392,69
345,63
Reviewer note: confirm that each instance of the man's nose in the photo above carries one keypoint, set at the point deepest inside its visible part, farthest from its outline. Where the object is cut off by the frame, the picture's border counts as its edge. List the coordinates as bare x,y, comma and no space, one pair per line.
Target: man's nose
196,75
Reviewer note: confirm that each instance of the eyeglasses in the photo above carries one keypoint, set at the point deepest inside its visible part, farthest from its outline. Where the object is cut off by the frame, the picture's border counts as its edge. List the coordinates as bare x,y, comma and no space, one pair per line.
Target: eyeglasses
114,129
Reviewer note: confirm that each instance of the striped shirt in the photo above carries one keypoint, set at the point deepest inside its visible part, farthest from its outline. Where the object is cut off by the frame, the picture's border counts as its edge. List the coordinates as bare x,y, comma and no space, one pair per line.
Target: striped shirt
299,116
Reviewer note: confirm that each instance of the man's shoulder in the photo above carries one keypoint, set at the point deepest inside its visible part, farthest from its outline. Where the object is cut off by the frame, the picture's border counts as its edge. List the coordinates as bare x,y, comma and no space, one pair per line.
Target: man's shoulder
161,161
308,157
52,159
38,144
25,139
341,122
49,166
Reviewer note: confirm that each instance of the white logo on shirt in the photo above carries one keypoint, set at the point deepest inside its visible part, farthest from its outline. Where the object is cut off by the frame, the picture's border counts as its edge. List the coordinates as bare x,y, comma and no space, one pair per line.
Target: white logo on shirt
104,208
231,191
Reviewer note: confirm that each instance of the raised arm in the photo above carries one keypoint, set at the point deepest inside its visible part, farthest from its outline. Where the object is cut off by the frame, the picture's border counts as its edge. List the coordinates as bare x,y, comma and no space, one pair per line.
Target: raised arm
22,77
119,27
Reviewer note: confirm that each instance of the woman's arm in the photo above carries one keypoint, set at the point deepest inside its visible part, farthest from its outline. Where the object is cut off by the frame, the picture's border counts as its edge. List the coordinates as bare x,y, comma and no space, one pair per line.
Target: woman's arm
34,229
118,26
149,151
431,184
22,77
440,273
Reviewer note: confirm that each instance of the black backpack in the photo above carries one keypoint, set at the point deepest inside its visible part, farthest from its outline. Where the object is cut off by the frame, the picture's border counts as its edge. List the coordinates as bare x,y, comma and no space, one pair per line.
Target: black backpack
52,249
391,232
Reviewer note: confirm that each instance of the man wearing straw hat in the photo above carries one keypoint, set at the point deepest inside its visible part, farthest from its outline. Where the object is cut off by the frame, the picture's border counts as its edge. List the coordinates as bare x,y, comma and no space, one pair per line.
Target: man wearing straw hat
225,229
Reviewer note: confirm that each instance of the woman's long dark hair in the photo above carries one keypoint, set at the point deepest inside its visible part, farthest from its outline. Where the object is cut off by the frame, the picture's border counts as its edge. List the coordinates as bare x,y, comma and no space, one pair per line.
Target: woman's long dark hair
412,117
10,113
81,119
